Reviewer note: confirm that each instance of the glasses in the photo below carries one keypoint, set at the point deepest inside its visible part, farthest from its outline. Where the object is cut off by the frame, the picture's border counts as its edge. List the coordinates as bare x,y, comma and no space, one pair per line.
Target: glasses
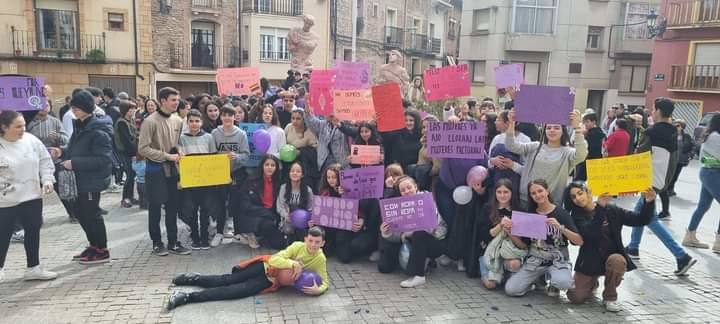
615,108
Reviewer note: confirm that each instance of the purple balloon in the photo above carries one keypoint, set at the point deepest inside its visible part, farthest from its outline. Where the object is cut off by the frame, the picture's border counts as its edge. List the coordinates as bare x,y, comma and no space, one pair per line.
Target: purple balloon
299,218
307,278
261,139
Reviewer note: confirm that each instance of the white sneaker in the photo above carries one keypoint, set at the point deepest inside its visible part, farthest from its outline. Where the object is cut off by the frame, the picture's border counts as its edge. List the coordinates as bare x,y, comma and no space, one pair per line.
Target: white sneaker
2,274
413,282
241,238
18,237
375,256
460,266
252,242
612,306
37,273
228,233
444,261
216,240
552,291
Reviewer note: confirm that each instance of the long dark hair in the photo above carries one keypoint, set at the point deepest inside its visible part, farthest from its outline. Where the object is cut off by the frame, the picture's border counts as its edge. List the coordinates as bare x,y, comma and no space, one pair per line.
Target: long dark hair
300,113
325,187
374,136
304,196
208,124
713,126
495,205
532,205
274,121
570,205
196,102
490,129
260,176
564,138
417,129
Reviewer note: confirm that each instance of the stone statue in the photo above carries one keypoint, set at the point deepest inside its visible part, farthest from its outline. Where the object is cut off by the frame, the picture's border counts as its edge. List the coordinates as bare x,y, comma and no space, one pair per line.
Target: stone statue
302,43
395,72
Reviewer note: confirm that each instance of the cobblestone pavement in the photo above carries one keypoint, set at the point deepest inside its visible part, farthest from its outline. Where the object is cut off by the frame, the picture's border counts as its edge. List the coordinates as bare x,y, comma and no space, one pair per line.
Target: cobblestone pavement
133,288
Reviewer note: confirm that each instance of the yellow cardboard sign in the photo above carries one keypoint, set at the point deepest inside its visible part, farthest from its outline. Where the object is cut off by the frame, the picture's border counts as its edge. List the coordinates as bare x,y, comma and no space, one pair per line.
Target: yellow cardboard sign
204,170
629,173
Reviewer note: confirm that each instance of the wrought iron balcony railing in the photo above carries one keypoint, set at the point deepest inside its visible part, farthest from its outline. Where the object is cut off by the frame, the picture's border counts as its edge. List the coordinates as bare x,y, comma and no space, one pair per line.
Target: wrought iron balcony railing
693,13
695,78
83,47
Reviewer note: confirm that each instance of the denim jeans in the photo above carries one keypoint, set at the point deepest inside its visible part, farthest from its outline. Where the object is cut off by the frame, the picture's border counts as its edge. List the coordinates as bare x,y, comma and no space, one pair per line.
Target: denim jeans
660,231
710,188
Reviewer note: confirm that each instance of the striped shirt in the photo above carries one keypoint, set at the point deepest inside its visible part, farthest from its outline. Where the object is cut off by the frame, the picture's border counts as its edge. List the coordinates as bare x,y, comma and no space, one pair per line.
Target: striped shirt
42,128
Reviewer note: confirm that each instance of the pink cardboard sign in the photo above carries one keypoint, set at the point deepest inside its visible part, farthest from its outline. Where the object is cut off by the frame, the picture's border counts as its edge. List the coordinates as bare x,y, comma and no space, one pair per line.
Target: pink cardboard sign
321,85
238,81
353,105
365,154
446,82
352,75
389,110
509,75
529,225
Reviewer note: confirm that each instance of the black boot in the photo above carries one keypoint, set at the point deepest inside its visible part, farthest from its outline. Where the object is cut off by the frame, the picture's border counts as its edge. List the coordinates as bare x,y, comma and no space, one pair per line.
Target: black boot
177,298
186,279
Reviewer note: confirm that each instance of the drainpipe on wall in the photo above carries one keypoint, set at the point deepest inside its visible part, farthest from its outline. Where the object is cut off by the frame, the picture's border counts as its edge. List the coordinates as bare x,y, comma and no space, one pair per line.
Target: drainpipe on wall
135,39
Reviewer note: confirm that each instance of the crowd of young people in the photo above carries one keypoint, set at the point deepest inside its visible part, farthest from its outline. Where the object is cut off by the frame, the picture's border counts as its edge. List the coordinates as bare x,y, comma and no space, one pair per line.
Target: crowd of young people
527,168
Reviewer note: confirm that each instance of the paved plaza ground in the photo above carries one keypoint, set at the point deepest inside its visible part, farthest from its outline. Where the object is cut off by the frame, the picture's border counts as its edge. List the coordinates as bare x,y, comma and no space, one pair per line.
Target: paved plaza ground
134,286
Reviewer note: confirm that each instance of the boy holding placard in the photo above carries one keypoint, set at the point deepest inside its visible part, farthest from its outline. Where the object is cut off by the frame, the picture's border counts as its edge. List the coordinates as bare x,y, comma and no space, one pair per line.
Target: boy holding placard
196,141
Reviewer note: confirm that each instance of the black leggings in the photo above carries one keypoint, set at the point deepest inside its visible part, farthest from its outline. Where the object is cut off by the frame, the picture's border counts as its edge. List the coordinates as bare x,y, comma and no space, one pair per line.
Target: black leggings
129,187
389,252
29,214
243,283
348,245
423,246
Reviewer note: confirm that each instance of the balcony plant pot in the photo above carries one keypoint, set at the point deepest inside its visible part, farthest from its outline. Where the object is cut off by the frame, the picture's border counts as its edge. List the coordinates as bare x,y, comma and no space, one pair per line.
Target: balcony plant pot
95,56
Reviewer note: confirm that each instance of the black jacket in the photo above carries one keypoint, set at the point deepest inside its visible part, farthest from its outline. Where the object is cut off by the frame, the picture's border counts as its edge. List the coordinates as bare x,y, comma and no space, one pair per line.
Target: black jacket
590,260
89,151
401,147
685,149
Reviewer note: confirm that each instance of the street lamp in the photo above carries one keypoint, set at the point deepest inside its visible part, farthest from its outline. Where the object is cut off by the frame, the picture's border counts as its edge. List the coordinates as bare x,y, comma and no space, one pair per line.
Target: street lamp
651,21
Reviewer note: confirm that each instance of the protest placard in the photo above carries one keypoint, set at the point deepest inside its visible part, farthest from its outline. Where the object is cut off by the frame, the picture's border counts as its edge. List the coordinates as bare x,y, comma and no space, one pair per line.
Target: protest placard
365,154
238,81
464,140
529,225
333,212
255,157
353,105
389,111
509,75
21,93
321,85
446,82
352,75
204,170
544,104
621,174
363,183
409,213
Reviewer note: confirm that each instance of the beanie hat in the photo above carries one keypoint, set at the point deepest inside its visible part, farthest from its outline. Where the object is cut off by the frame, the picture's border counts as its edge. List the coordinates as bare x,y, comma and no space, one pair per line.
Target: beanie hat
84,101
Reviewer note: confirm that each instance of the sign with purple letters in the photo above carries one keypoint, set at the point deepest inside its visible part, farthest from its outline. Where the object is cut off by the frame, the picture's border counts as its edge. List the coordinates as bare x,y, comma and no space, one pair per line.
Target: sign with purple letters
255,156
529,225
22,93
409,213
509,75
544,104
340,213
363,183
352,75
464,140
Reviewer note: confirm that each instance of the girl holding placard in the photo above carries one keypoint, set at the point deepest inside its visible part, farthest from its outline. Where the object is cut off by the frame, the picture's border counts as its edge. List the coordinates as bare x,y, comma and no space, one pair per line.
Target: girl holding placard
603,253
549,257
424,245
258,197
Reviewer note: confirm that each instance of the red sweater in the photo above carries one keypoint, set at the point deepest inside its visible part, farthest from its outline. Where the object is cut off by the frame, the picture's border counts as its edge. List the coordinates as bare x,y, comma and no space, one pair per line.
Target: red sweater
617,143
267,195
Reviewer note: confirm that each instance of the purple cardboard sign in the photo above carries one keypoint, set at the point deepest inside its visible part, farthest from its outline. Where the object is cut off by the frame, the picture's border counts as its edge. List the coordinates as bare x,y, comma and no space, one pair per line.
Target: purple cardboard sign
509,75
340,213
464,140
529,225
544,104
352,75
22,93
409,213
363,183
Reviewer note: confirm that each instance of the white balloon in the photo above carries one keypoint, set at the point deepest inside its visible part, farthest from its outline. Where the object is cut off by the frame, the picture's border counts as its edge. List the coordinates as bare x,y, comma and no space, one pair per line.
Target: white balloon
462,195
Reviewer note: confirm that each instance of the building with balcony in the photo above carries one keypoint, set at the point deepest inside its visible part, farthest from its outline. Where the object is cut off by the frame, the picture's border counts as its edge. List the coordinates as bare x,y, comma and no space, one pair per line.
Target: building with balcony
76,43
193,38
265,26
599,47
424,31
686,59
